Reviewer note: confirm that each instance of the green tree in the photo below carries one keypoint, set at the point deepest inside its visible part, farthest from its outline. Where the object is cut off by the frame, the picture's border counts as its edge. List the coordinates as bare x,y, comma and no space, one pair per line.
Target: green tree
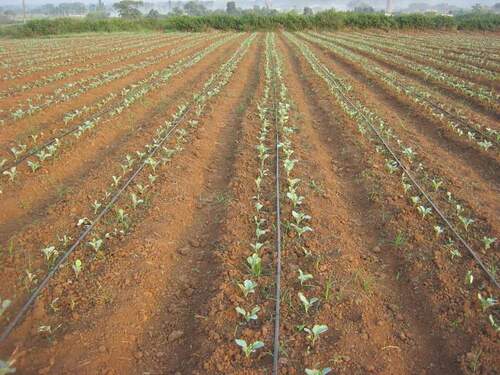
128,8
308,11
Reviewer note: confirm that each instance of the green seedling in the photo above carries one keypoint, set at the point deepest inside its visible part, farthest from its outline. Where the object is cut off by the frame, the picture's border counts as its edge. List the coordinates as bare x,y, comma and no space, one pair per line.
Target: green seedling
249,349
247,287
488,241
314,332
307,303
255,263
77,267
4,305
486,303
303,277
466,222
248,315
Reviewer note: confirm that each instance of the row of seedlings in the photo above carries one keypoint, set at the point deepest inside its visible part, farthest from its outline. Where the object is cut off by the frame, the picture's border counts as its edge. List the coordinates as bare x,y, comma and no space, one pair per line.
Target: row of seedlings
419,97
296,226
459,216
261,218
72,90
477,93
35,156
465,70
120,53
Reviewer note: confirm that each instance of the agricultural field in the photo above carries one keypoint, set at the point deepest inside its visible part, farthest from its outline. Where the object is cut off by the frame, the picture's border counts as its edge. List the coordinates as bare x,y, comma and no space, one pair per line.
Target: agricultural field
250,203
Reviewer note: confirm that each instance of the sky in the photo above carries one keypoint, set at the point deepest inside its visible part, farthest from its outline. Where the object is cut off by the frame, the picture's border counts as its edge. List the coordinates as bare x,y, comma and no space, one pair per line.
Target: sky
338,4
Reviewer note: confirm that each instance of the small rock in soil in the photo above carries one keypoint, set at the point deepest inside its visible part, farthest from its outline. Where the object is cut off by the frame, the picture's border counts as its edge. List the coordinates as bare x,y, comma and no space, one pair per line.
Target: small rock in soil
102,348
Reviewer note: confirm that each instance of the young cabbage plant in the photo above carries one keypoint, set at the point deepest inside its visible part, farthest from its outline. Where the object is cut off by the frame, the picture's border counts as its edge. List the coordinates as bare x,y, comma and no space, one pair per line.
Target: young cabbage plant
257,247
493,323
455,254
301,230
424,211
255,263
300,217
415,200
314,332
392,166
96,244
303,277
322,371
486,302
466,222
152,178
116,181
248,287
96,205
438,230
295,199
34,166
488,241
12,173
135,200
50,253
4,305
77,267
249,349
307,303
248,315
436,184
469,278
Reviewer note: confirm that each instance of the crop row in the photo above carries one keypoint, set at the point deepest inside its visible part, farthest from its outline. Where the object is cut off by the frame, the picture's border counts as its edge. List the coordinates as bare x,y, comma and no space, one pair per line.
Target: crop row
73,90
120,54
110,216
465,70
474,92
70,52
393,149
418,96
35,156
441,50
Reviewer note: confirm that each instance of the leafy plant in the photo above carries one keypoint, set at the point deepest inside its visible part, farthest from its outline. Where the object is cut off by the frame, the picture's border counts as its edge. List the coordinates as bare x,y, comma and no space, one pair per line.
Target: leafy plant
96,244
247,287
469,277
248,315
488,241
4,305
33,165
255,263
50,253
424,211
77,267
466,222
303,277
249,349
135,200
438,230
301,230
307,303
486,303
300,217
314,332
12,173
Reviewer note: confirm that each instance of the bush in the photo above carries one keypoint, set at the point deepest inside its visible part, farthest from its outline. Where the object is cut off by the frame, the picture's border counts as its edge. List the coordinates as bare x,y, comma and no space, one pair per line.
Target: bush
248,21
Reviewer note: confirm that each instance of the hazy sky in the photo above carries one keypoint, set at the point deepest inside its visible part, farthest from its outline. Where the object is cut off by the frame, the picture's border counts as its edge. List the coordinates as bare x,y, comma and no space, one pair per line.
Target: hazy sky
339,4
